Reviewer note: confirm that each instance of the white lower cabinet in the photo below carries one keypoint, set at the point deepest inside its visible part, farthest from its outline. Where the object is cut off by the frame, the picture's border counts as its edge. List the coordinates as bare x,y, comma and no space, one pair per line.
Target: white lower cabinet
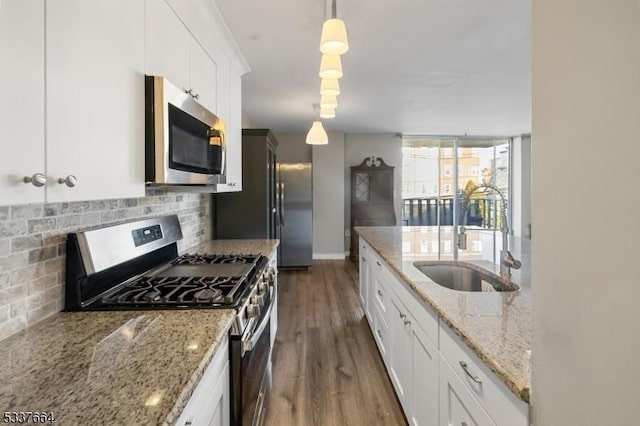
457,405
210,403
437,377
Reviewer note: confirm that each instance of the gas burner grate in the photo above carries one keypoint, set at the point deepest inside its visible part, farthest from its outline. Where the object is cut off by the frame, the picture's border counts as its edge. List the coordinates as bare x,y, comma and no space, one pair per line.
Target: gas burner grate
174,291
208,259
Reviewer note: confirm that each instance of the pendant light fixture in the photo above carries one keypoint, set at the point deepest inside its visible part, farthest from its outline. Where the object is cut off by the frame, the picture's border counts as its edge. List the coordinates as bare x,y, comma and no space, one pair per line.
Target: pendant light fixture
333,40
317,134
329,86
328,101
330,67
327,112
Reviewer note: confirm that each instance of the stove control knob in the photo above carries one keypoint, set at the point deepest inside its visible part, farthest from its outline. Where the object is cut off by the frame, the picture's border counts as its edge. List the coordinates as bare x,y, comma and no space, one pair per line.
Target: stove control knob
263,288
268,276
258,300
253,311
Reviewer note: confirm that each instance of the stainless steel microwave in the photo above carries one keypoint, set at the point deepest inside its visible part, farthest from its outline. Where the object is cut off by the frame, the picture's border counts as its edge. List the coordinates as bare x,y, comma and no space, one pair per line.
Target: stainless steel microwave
184,142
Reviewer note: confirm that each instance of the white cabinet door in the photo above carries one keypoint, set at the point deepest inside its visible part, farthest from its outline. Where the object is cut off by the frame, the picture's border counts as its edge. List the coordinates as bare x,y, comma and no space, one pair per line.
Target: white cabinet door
457,406
400,351
230,110
424,389
95,98
203,77
21,100
365,272
220,402
167,44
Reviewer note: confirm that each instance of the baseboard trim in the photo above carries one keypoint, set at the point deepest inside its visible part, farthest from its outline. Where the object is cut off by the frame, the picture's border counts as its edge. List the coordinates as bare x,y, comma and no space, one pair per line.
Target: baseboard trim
328,256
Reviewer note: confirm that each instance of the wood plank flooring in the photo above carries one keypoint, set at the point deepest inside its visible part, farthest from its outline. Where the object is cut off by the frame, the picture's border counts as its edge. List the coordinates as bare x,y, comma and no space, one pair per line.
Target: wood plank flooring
326,366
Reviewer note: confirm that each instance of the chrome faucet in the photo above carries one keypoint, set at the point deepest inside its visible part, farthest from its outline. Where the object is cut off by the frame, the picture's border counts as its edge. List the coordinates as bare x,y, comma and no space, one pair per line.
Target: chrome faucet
507,261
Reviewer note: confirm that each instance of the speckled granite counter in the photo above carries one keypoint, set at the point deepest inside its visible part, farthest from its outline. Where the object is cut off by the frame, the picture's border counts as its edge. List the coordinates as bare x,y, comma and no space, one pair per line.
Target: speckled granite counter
263,247
116,367
497,326
111,368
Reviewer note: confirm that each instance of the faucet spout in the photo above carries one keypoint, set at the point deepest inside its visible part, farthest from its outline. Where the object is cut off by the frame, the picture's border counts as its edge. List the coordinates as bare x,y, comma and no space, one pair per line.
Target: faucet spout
507,261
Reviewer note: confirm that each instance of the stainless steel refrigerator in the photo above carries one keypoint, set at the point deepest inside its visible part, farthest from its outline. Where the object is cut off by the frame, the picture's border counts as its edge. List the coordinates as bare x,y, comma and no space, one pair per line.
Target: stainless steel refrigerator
275,201
295,201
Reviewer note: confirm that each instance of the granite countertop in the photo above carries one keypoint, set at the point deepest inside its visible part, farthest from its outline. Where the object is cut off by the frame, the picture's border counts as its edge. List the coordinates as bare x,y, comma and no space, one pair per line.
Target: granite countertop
496,326
263,247
116,367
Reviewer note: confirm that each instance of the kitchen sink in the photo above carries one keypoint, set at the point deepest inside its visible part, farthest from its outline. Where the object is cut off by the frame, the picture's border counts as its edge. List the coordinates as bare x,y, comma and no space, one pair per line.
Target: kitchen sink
463,277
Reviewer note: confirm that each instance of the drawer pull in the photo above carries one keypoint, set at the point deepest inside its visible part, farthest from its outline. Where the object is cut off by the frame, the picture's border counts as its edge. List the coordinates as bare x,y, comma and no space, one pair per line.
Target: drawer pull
402,315
364,259
379,333
379,293
378,263
466,370
407,322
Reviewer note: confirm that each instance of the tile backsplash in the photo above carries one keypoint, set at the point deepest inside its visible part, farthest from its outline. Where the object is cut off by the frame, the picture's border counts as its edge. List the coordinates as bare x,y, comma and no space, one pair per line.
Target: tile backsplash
33,238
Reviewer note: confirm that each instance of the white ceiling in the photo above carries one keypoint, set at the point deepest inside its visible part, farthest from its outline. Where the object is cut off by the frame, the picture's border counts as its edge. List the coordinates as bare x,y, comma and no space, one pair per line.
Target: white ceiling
443,67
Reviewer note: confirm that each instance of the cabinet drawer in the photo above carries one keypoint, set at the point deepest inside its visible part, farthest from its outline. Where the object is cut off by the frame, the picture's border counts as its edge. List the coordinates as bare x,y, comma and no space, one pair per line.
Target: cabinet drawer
379,293
492,394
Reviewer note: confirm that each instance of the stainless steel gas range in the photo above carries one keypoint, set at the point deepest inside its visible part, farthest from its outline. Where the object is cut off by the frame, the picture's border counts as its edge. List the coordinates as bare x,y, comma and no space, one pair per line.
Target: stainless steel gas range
136,266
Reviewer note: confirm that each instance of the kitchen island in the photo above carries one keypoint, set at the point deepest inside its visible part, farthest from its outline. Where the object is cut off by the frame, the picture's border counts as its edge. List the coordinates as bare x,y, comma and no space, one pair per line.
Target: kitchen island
495,326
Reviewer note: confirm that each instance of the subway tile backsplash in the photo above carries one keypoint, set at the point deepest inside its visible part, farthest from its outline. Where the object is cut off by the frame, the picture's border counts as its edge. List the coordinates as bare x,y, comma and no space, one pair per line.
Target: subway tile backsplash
33,238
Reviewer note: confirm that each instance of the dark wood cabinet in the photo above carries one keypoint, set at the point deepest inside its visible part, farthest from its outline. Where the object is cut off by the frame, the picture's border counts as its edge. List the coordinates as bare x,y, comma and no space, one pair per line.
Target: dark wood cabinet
371,197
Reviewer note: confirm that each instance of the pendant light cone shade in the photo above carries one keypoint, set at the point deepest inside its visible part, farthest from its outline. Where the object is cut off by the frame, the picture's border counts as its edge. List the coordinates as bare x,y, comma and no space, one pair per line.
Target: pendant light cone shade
333,40
330,67
327,112
317,135
329,87
328,101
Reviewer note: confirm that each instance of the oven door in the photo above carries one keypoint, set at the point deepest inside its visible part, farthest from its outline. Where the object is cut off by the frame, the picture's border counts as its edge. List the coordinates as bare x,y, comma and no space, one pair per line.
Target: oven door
251,379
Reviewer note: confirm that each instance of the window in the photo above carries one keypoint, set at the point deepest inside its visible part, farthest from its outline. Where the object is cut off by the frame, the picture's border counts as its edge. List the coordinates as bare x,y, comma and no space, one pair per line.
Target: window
475,170
447,188
447,170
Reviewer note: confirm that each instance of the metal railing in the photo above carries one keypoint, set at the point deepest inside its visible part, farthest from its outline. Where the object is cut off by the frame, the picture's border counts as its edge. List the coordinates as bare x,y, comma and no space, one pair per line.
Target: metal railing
433,211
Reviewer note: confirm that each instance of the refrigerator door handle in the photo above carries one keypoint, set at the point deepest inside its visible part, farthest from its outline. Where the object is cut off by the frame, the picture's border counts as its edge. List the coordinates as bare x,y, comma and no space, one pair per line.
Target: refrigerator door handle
281,203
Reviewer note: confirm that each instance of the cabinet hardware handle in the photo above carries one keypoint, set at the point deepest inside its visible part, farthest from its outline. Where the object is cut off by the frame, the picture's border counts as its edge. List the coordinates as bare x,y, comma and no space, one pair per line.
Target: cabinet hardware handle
70,181
379,293
197,96
189,92
407,322
402,315
37,179
364,259
378,263
189,422
379,333
466,370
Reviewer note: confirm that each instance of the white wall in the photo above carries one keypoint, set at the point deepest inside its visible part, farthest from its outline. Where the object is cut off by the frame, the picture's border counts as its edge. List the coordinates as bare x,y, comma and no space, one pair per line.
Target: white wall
358,146
328,198
586,285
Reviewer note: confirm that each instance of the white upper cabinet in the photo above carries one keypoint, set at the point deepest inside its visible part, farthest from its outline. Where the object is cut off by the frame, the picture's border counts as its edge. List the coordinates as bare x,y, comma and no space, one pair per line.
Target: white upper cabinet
203,77
21,100
171,51
232,92
95,99
167,45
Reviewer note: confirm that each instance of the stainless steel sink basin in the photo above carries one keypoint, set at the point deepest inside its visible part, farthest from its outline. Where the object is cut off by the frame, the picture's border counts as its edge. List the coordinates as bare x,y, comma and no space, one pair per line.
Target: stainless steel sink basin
461,277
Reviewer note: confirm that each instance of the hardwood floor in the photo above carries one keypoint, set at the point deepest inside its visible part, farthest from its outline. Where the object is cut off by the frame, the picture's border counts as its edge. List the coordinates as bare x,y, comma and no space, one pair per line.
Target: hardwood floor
326,366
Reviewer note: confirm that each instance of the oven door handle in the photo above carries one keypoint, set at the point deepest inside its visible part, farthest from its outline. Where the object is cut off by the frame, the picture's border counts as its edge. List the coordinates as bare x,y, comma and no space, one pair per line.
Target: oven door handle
249,343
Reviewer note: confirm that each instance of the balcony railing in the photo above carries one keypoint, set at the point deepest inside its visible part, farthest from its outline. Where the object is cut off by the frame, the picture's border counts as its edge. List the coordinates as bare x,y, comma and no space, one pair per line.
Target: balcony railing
427,212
